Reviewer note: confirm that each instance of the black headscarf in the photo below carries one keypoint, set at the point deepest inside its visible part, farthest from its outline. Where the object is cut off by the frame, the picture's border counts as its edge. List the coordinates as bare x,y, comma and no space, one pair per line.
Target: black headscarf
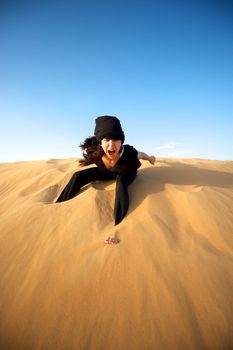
108,127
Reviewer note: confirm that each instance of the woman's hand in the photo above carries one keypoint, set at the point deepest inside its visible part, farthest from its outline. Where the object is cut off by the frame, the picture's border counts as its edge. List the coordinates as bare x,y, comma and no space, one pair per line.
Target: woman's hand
144,156
152,160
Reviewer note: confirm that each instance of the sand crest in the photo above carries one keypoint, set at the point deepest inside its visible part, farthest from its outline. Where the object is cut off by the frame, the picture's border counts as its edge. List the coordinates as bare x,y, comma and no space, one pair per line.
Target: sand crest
167,285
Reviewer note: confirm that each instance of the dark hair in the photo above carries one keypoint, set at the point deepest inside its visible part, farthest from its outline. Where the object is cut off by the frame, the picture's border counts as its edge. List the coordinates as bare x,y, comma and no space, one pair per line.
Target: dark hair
92,151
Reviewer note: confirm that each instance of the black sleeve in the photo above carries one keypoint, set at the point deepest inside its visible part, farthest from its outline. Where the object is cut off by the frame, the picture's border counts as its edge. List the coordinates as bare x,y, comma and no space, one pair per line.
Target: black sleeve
128,162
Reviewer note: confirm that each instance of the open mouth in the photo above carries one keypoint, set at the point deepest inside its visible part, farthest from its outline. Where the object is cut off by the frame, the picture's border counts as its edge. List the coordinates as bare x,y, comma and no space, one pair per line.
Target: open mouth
111,152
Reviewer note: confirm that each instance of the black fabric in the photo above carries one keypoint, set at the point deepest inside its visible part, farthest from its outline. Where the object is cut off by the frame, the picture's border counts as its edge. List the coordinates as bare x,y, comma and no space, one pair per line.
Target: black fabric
80,179
83,177
108,127
124,171
127,163
122,197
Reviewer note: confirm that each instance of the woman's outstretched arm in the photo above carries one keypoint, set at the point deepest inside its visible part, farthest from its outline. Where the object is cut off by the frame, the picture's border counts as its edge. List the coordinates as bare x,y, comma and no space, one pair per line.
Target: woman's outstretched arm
144,156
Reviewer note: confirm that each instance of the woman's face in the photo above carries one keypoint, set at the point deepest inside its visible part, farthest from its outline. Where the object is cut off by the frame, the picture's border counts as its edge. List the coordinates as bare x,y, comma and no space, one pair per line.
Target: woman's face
111,148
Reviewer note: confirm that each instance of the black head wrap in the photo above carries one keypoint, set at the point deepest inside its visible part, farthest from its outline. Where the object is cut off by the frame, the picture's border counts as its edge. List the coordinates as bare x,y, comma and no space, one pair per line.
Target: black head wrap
108,127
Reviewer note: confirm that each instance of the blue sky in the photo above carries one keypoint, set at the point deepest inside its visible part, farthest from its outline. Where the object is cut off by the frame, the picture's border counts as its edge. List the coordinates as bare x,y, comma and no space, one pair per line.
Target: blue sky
165,68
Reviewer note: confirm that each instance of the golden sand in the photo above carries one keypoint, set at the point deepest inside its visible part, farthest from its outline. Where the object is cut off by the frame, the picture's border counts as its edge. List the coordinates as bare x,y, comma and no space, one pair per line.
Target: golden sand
168,285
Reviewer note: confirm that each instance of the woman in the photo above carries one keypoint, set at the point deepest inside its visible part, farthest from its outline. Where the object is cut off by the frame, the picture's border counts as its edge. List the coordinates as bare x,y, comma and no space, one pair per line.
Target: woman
113,161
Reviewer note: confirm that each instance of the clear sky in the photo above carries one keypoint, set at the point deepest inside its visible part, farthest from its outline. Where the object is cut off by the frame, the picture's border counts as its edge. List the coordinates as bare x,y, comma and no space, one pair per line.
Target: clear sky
165,68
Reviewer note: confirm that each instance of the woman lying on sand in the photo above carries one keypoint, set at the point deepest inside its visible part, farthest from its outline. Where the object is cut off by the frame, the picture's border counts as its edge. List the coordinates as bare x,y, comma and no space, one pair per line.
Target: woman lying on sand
114,161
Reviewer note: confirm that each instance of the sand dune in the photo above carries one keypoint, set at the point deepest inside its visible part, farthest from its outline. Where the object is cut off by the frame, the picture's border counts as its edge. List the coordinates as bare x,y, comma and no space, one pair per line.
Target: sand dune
167,285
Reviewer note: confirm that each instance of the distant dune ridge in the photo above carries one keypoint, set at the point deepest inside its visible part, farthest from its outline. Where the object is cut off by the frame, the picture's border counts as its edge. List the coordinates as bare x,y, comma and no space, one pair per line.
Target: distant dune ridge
167,285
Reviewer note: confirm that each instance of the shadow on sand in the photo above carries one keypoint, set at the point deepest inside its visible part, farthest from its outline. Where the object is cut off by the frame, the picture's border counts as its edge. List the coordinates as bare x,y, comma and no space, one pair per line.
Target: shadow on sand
154,179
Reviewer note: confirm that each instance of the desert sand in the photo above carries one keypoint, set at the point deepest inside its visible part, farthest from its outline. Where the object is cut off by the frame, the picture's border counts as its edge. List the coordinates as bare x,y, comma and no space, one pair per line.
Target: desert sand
168,284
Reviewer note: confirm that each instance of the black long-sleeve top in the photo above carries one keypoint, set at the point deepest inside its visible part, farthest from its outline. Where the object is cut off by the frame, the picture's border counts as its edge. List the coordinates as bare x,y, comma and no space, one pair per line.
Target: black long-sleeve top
126,164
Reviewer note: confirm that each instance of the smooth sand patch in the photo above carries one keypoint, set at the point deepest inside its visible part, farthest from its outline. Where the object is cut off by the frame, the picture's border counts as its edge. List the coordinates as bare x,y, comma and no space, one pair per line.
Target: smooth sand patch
167,285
